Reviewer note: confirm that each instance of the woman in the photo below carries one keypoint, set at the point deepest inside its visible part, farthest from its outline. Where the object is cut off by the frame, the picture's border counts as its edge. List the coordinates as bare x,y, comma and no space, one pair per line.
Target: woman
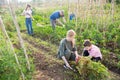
67,49
28,15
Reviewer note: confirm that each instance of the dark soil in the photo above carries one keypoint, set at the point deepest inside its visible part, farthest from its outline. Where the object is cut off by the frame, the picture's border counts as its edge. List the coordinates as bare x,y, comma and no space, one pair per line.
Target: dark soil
48,68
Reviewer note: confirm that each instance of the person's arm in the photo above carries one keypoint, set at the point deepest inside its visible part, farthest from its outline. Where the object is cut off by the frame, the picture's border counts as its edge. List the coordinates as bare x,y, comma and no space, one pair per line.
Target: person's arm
59,22
76,54
30,14
64,20
66,62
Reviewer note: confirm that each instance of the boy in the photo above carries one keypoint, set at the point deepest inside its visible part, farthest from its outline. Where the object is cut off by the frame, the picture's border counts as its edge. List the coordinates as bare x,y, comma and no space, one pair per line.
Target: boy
55,16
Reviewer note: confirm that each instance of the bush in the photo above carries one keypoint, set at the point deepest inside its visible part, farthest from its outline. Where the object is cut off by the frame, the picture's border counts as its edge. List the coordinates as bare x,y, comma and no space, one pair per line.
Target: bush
118,65
92,70
46,33
8,67
117,1
9,24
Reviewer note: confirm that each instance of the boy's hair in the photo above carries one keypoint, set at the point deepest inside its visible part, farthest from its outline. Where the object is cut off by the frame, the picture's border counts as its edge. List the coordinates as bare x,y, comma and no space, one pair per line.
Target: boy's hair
71,33
87,43
62,13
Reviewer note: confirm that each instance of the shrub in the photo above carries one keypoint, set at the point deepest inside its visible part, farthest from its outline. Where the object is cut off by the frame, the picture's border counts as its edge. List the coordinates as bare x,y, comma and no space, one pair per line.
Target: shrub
118,64
9,24
92,70
8,67
49,34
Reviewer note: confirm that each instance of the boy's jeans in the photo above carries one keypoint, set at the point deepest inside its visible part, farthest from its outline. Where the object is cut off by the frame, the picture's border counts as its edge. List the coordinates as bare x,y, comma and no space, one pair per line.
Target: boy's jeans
53,23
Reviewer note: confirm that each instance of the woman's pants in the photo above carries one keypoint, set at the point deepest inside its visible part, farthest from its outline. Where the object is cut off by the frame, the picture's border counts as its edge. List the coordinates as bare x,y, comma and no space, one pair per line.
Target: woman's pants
28,22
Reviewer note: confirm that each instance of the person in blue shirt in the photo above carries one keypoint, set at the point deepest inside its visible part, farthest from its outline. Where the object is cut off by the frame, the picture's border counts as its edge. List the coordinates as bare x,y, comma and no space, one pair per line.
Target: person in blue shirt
71,16
54,18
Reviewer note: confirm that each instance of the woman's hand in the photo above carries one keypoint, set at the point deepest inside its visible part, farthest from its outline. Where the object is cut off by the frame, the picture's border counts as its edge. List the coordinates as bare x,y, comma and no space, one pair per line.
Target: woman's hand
69,66
78,56
33,19
66,63
77,59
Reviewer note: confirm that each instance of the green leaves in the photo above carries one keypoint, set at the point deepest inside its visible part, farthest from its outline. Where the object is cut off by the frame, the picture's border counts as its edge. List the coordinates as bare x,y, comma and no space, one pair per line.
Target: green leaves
8,66
92,70
46,33
9,69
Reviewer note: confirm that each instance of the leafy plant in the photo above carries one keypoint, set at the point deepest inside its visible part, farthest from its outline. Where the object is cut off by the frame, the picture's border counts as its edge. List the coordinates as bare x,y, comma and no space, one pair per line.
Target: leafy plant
118,65
92,70
9,69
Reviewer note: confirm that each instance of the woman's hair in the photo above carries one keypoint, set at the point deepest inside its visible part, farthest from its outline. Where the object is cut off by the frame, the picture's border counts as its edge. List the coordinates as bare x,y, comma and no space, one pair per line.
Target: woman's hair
28,5
87,43
71,33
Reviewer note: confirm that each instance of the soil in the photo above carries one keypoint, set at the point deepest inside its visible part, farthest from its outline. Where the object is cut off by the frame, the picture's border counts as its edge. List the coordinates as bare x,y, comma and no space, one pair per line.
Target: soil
49,68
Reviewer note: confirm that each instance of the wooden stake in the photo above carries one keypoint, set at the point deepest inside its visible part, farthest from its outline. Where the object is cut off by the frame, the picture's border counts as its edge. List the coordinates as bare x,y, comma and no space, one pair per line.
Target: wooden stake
12,48
12,12
112,9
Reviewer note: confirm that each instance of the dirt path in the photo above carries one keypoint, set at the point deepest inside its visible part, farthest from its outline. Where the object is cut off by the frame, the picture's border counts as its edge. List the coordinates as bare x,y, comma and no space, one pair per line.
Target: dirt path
48,67
47,70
